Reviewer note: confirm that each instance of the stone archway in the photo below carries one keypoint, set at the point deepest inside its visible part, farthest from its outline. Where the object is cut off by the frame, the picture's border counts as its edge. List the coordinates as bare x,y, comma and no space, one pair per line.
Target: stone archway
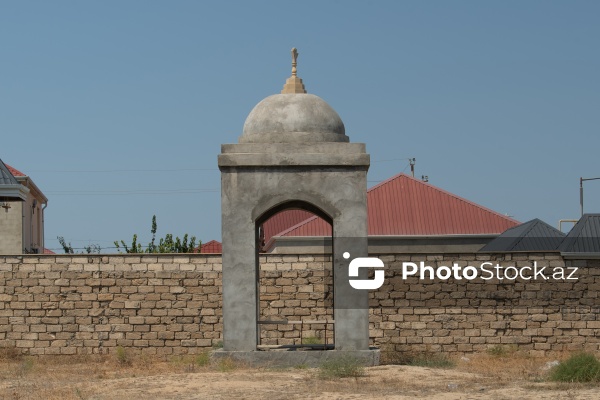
293,149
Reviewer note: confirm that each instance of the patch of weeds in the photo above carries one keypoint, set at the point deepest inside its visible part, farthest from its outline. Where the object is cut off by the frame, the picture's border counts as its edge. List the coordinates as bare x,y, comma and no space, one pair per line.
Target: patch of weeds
342,367
123,357
218,345
202,359
312,340
184,362
580,367
431,361
226,365
301,366
501,351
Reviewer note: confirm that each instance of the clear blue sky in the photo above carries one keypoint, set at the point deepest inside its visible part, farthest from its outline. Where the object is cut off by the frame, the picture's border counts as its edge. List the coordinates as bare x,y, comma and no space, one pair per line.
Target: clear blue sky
117,109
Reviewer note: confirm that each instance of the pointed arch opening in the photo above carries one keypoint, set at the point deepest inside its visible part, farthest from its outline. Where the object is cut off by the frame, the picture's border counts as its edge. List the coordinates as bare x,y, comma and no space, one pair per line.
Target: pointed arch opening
295,282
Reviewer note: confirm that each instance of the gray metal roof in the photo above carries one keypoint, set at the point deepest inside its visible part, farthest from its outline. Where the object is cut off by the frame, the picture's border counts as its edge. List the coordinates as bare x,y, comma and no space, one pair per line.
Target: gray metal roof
584,237
6,178
534,235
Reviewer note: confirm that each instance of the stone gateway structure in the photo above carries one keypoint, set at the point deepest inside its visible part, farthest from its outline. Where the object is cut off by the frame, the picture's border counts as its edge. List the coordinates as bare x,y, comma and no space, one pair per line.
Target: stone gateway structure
293,154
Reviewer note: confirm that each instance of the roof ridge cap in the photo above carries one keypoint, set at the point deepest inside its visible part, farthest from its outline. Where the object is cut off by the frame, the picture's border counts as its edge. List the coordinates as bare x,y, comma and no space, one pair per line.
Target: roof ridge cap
388,180
532,224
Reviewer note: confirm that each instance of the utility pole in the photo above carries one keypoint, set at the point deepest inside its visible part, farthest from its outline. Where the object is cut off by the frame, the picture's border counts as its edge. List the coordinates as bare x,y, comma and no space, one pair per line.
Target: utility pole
581,180
412,162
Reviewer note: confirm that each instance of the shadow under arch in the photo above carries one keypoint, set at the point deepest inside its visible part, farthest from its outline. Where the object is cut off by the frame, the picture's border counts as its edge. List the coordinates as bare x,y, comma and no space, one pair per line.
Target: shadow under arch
271,322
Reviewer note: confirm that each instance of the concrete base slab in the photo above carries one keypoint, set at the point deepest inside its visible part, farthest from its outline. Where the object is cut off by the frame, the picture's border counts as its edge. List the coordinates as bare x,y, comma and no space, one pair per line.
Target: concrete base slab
294,358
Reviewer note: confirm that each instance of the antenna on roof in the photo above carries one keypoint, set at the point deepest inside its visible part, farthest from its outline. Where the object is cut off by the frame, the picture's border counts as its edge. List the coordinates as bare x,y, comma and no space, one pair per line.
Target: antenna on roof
412,162
581,180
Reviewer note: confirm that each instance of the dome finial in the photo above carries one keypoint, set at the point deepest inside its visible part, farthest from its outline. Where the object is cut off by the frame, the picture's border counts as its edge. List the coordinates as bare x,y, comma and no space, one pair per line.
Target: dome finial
294,61
294,84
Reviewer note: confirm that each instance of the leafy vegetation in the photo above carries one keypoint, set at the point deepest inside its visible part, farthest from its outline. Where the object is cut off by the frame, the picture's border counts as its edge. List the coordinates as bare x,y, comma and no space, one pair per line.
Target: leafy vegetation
123,357
165,245
202,359
68,249
502,351
580,367
218,345
312,340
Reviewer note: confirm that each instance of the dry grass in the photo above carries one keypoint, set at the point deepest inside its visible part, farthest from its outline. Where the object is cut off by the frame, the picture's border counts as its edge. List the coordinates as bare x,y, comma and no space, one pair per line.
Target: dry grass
78,377
494,376
507,367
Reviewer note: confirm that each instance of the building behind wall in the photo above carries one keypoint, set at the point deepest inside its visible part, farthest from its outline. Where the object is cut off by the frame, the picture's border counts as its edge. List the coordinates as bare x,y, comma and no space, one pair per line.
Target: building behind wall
22,213
404,215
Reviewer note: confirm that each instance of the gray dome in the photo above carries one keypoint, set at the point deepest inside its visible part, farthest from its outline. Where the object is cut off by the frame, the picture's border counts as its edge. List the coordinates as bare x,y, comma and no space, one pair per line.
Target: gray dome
293,118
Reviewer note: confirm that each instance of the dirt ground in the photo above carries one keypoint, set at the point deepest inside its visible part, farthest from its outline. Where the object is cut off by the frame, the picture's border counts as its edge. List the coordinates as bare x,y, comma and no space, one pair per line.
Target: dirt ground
107,377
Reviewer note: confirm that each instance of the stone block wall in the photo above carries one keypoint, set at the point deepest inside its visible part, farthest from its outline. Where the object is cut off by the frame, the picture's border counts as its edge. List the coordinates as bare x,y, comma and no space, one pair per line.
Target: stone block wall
171,304
163,305
460,317
297,289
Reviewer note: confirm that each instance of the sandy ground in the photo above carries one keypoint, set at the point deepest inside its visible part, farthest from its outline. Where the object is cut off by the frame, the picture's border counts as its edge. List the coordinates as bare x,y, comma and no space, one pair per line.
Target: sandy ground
385,382
484,378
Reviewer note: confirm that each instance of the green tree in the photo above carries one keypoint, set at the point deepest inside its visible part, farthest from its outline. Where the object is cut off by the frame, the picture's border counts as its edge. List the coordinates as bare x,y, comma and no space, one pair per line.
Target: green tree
66,247
90,249
165,245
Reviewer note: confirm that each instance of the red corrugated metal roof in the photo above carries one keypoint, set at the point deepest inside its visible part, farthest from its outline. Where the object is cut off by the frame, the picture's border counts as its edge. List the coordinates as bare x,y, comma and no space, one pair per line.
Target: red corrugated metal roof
313,226
48,251
403,205
282,221
14,171
211,247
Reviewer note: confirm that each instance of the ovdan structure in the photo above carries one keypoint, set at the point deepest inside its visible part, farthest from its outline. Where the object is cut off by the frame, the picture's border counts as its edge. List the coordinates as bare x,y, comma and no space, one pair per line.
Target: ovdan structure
293,154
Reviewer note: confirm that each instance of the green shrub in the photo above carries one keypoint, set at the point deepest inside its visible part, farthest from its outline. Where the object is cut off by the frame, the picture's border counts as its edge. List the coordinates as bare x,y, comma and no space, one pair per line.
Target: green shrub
312,340
123,357
341,367
501,351
580,367
202,359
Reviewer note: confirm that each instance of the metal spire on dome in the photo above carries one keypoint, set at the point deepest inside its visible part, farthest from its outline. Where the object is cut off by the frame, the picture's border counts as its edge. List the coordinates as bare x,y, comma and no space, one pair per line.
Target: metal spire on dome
294,84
